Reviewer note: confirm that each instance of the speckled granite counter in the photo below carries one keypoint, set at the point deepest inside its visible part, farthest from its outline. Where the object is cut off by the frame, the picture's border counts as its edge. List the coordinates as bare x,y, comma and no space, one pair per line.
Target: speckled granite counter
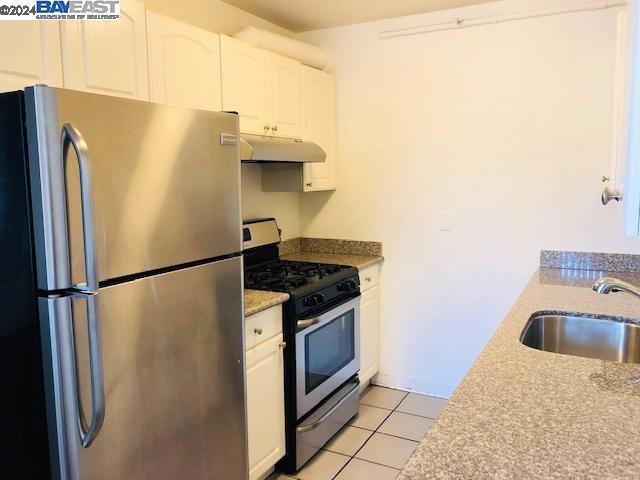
256,301
523,413
360,261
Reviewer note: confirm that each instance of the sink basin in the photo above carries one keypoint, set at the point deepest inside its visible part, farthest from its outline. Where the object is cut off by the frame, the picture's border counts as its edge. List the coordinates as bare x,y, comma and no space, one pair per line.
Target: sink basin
584,337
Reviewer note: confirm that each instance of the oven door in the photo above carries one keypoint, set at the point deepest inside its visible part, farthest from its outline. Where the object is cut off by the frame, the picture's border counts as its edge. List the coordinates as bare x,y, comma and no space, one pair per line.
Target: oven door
327,353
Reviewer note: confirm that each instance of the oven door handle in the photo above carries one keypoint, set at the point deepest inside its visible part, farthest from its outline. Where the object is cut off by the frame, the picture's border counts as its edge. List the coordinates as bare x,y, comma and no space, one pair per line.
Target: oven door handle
329,314
302,324
320,421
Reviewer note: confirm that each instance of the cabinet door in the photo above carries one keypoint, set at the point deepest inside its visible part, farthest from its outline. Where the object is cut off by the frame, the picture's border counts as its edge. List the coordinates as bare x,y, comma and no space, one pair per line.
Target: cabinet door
285,102
265,406
184,64
108,57
319,123
244,84
369,334
30,54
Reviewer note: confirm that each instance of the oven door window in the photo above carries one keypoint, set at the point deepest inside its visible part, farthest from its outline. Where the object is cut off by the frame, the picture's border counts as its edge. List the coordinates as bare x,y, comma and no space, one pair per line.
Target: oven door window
328,349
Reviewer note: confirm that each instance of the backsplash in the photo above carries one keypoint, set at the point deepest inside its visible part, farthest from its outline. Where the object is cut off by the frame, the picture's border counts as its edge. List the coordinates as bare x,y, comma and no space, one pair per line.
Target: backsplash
329,245
603,262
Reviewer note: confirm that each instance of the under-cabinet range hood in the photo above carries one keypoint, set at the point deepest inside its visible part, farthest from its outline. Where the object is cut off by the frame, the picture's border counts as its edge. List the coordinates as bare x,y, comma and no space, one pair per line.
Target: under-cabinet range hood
256,148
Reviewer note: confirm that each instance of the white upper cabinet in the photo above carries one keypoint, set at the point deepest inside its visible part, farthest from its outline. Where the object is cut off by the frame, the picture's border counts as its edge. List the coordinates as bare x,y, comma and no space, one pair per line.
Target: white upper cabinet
29,54
244,84
285,102
107,57
319,126
184,64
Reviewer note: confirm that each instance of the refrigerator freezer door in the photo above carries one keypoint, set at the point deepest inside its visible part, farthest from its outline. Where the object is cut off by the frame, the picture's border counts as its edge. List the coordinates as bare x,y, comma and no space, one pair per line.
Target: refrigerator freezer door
173,366
165,190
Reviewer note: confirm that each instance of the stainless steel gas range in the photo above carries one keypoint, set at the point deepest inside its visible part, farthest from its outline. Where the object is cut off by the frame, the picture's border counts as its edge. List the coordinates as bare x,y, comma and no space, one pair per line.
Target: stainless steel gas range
321,324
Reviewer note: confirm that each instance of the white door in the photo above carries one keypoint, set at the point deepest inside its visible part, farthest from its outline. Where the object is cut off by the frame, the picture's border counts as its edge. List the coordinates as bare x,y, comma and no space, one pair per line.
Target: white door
107,57
630,124
265,406
245,84
29,54
184,64
285,101
319,123
369,334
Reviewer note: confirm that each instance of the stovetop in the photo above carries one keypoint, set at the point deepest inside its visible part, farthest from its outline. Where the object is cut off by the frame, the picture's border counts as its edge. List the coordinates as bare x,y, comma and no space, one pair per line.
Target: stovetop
312,287
288,276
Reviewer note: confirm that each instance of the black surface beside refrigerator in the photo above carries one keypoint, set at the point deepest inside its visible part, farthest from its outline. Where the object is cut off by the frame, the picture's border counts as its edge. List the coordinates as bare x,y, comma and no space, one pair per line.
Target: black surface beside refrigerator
24,448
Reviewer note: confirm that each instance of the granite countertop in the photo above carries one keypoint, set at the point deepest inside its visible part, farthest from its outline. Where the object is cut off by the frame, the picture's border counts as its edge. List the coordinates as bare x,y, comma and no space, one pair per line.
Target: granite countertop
360,261
523,413
257,300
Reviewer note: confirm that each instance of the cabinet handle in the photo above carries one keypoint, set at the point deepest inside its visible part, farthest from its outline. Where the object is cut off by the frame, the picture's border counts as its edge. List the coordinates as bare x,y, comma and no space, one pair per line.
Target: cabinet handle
258,331
274,128
282,345
367,279
608,194
266,128
309,184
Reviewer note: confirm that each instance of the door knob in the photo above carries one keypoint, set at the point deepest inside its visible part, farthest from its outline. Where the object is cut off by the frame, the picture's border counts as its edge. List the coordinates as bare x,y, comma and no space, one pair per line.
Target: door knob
608,194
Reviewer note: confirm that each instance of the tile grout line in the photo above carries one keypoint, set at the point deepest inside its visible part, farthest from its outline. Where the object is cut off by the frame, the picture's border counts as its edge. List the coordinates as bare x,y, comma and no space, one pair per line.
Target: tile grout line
370,436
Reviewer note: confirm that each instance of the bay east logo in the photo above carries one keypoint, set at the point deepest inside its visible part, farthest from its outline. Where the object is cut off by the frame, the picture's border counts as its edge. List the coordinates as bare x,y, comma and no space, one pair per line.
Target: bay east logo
59,9
78,9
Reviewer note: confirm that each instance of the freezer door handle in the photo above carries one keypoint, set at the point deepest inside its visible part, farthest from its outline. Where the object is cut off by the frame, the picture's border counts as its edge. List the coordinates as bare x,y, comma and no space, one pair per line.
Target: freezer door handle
89,432
72,136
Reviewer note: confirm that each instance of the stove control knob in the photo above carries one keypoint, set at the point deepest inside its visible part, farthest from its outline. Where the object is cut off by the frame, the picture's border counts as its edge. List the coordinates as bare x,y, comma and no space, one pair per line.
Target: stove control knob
310,301
319,297
343,287
352,284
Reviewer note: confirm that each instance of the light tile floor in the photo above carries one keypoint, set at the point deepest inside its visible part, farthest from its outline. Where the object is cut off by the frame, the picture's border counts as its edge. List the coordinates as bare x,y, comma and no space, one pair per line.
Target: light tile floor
378,441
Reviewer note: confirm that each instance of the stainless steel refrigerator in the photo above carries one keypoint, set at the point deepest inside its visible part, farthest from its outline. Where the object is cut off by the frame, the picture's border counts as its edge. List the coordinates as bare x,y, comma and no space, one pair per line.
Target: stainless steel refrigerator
135,229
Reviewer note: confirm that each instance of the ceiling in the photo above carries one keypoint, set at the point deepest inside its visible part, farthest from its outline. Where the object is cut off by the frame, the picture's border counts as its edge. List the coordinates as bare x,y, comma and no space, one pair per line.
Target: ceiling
304,15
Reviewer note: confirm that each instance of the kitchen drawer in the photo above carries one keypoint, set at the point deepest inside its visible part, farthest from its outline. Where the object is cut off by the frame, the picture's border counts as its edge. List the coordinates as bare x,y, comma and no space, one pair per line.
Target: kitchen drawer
369,277
263,326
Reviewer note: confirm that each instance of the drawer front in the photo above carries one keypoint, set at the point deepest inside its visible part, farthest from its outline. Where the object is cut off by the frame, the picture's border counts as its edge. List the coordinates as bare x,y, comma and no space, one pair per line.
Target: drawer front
324,423
369,277
263,326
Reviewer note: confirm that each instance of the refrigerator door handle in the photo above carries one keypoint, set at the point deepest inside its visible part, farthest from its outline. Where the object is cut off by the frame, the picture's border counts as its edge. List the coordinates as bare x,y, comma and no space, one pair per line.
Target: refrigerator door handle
72,136
89,290
89,432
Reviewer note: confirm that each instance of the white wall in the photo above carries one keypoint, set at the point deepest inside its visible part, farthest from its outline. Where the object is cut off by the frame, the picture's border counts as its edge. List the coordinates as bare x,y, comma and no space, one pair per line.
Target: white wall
285,207
506,127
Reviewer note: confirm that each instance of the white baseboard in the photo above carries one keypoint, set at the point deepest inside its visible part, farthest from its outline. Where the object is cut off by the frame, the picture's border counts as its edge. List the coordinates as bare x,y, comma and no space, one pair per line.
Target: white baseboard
411,384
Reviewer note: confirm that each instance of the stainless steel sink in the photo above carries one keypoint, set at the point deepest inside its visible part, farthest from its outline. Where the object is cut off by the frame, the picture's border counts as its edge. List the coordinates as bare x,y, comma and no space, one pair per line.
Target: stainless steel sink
584,337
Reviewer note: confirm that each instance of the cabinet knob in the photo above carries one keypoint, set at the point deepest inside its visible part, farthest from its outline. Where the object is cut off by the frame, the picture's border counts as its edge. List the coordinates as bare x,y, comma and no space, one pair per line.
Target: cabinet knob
605,179
282,345
267,128
258,331
609,194
274,128
367,279
309,184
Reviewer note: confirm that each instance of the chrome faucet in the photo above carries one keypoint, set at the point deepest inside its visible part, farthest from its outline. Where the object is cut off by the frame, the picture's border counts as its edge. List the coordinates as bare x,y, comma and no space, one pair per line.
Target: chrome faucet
610,284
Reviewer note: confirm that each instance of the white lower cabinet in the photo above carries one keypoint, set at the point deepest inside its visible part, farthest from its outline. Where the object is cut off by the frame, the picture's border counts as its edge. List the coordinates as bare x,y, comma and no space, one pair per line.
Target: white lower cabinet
265,403
369,324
